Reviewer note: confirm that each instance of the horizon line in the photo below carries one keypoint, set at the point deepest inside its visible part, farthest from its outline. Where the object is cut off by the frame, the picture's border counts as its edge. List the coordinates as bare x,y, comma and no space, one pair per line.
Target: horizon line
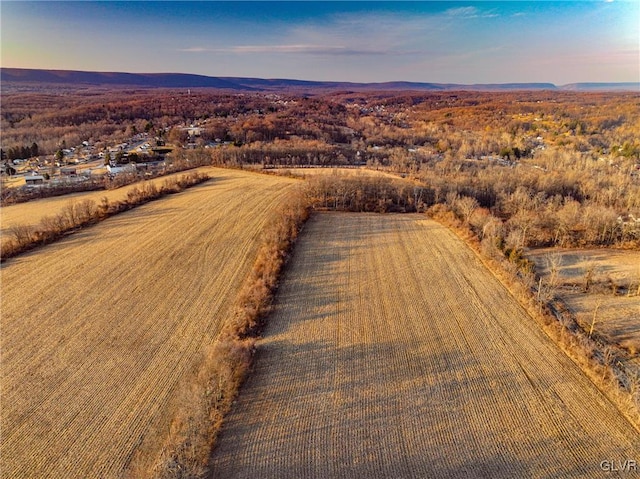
236,77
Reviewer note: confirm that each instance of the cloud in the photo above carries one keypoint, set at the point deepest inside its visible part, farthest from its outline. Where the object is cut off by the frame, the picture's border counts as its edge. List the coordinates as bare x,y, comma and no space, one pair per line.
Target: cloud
469,12
300,49
194,50
370,33
462,12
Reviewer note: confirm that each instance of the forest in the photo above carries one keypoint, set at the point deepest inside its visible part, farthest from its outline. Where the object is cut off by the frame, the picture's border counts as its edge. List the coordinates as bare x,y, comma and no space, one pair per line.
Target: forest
526,168
505,171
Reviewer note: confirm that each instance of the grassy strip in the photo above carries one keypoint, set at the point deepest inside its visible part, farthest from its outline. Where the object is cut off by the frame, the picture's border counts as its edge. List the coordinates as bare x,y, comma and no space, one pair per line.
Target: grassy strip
11,196
599,361
368,193
84,213
207,395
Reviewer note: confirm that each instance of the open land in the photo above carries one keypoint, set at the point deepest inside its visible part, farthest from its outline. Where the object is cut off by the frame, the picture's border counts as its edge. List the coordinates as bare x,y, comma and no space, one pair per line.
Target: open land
30,213
335,171
99,328
393,352
613,295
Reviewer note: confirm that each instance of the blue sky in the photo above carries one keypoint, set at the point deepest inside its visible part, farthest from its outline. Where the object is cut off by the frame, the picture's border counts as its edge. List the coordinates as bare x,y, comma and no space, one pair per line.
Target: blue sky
433,41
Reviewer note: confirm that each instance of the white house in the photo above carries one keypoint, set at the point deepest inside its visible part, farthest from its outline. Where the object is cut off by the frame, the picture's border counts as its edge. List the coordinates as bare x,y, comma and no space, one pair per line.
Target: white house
115,170
32,180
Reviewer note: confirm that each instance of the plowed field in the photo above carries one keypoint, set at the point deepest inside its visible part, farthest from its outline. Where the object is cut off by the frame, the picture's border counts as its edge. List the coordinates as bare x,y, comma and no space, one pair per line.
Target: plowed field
31,212
617,316
99,328
350,172
394,353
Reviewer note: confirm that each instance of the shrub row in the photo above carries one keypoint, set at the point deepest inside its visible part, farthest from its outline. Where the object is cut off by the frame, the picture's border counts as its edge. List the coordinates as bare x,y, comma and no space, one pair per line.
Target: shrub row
181,162
599,360
368,193
86,212
207,395
10,196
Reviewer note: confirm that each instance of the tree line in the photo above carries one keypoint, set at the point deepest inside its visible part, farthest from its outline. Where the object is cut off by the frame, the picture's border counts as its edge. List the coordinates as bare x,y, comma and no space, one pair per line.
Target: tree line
20,152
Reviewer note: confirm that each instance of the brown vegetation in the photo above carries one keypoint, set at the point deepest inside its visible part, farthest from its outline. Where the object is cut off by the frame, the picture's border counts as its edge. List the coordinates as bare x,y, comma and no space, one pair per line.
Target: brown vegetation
10,196
508,170
598,359
445,376
367,193
32,212
85,212
174,163
100,329
487,235
556,168
207,395
601,290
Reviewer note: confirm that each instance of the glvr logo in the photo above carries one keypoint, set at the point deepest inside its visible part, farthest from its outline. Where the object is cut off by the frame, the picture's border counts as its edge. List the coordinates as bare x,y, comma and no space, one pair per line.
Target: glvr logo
627,465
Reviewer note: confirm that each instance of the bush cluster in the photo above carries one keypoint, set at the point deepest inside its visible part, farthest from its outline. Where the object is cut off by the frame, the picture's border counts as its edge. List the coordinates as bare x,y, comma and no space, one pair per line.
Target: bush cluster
599,359
207,395
86,212
368,193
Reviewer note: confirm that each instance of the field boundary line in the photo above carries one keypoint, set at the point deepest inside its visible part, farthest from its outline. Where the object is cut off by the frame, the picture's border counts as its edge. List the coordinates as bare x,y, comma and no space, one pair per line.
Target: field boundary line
83,214
620,391
216,382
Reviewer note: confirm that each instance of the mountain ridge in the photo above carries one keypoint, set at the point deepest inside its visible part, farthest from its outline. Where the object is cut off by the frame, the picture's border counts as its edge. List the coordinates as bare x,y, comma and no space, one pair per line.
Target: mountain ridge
247,84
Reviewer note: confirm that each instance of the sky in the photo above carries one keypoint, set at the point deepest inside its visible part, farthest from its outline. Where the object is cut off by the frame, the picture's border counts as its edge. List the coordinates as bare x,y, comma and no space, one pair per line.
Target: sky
361,41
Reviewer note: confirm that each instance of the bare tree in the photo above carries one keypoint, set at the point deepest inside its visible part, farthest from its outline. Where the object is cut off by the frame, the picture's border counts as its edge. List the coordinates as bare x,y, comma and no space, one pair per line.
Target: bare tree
553,262
467,205
22,234
595,316
589,274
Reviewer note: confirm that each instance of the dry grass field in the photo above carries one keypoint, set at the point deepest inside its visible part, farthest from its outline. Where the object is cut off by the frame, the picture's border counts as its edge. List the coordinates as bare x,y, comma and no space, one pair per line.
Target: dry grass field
99,328
13,182
617,316
394,353
360,171
31,212
307,172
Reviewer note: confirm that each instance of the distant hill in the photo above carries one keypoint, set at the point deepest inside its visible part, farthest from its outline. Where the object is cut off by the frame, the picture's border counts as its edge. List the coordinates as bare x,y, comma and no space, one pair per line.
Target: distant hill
25,77
602,86
150,80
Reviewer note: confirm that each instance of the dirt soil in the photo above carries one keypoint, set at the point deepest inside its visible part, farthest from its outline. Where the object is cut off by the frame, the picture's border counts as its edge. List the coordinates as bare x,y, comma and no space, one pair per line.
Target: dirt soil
617,316
98,329
394,353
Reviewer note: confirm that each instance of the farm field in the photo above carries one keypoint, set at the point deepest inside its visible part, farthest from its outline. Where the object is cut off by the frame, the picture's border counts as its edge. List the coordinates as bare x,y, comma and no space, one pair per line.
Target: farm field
329,171
32,212
617,315
307,172
393,352
99,328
